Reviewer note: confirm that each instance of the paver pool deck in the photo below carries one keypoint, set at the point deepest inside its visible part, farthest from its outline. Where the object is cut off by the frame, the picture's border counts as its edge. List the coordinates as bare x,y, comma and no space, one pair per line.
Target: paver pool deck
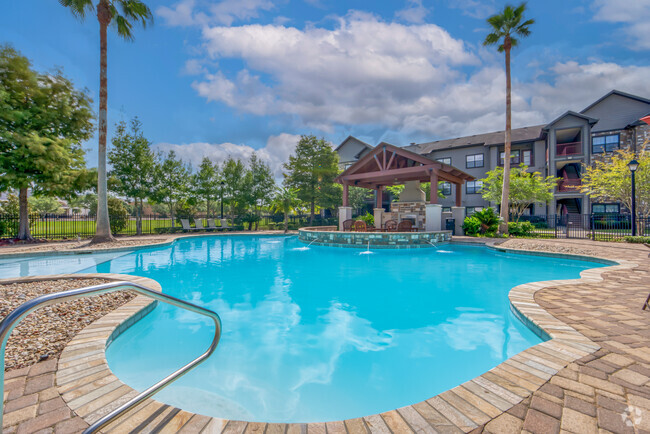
591,377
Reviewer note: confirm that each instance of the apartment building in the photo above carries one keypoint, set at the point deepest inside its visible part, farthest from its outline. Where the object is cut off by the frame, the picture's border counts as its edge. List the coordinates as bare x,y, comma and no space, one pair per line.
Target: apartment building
561,148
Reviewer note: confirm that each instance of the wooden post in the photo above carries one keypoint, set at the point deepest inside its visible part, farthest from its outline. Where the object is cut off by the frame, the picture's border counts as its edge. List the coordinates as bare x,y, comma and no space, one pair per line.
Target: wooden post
380,199
433,195
345,194
459,192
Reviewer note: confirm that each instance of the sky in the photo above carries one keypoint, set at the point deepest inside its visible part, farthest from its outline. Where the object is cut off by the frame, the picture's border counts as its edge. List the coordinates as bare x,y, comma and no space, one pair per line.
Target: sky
230,77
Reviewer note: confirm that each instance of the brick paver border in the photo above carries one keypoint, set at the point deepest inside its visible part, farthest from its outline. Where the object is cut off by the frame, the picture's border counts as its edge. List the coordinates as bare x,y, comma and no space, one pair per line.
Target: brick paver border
90,390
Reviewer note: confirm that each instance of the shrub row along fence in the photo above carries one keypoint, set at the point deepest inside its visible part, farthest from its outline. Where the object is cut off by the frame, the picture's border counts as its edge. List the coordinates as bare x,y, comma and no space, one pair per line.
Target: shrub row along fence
597,227
79,226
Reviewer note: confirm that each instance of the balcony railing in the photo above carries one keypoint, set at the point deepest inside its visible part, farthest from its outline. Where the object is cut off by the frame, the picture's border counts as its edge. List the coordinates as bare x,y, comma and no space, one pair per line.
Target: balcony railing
565,149
569,184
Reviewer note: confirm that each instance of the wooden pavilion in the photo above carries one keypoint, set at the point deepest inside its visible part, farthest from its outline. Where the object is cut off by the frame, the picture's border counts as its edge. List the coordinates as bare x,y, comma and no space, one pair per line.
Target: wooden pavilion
390,165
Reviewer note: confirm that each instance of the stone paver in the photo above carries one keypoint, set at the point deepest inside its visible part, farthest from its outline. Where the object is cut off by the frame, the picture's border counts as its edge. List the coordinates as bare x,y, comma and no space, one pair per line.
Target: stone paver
592,376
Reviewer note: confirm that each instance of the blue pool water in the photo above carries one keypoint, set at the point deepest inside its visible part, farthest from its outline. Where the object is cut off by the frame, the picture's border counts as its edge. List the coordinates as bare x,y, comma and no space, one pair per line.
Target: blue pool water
322,333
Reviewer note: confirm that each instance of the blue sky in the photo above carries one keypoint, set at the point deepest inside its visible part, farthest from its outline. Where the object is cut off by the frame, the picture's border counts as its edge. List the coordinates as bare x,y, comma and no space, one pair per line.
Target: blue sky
228,77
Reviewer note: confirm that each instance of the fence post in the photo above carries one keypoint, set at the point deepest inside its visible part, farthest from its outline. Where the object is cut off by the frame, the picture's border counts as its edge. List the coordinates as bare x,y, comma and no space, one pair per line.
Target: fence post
555,225
593,227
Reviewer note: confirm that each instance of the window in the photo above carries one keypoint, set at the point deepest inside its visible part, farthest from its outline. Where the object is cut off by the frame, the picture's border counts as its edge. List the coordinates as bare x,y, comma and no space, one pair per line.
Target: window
608,143
514,158
445,188
472,161
527,157
446,209
605,208
473,187
472,209
446,160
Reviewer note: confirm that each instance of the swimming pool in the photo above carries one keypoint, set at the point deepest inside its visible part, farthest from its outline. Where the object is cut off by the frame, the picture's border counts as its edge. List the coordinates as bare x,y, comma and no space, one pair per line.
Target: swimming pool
319,333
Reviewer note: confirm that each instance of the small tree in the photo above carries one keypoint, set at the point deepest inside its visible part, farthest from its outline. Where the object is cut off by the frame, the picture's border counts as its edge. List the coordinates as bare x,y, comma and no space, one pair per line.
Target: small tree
170,181
525,188
311,171
43,120
45,205
285,201
133,166
358,197
611,181
206,180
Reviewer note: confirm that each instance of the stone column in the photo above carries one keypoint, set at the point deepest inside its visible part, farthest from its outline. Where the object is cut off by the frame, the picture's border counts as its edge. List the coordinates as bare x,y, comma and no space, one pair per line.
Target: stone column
345,213
433,217
379,215
458,214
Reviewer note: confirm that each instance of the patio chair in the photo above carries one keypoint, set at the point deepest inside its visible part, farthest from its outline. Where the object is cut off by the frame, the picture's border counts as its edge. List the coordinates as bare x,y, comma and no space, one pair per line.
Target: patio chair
185,223
213,226
199,225
347,225
226,226
360,226
406,226
390,226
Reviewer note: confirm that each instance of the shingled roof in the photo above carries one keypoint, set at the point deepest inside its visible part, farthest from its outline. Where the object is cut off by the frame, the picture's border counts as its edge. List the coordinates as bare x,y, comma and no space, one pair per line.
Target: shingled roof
526,134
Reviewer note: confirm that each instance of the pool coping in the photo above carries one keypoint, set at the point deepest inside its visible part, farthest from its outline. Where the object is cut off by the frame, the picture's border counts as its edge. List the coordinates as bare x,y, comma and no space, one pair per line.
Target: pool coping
91,390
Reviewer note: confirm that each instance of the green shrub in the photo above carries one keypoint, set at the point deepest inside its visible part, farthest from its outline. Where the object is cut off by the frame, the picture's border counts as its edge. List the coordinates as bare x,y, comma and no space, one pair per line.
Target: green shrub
471,226
520,229
640,240
489,220
368,218
119,216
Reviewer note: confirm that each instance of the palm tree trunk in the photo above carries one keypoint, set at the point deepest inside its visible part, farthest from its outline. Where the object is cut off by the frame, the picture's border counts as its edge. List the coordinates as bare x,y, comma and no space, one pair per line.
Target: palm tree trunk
505,191
103,231
23,213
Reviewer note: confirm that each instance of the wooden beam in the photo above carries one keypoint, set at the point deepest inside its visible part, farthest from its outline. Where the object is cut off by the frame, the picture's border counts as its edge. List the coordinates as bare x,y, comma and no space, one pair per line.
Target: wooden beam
345,194
392,157
459,192
433,194
378,163
394,173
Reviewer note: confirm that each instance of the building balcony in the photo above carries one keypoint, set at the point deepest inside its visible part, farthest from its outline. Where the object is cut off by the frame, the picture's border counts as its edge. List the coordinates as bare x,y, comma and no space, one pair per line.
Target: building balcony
569,185
567,149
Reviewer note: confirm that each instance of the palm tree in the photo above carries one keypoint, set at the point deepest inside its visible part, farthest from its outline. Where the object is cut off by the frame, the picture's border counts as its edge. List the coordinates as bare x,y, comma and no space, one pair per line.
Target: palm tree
507,26
285,201
123,13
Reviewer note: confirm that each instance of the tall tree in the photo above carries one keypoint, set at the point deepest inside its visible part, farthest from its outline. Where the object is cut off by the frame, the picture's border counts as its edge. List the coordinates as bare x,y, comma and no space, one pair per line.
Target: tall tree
43,120
133,165
262,185
170,181
507,27
123,14
233,175
206,180
311,171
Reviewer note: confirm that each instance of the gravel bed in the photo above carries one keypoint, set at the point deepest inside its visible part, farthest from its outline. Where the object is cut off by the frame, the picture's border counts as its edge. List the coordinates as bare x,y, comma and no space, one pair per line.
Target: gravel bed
58,246
44,333
553,247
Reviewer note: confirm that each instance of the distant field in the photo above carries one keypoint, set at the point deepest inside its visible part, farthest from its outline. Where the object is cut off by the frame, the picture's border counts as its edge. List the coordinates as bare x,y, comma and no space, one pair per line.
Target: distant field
59,228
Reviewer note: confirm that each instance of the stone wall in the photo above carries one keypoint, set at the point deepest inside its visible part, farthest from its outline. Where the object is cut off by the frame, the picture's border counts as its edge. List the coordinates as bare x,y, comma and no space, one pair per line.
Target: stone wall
627,137
385,240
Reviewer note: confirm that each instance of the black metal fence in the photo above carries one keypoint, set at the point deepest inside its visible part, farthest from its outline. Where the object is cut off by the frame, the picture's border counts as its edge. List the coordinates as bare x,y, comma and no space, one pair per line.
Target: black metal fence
83,226
597,227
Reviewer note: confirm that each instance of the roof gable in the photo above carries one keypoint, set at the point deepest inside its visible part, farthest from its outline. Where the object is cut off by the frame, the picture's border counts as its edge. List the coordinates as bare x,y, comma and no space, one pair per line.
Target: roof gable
570,114
354,139
618,93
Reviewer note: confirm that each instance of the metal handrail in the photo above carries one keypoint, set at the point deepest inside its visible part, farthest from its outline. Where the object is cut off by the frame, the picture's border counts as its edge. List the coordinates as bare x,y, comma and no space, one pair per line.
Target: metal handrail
8,324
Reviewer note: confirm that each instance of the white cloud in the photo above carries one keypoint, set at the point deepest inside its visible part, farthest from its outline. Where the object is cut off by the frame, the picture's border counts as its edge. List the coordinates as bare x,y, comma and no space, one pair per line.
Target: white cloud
203,12
479,9
634,15
275,153
414,12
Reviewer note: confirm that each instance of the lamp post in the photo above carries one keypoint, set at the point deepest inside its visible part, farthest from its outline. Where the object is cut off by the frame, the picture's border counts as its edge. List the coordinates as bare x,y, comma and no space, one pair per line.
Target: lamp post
222,184
633,165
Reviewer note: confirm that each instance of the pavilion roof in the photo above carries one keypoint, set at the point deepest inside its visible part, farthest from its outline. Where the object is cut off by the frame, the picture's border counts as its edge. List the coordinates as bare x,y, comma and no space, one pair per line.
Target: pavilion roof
387,164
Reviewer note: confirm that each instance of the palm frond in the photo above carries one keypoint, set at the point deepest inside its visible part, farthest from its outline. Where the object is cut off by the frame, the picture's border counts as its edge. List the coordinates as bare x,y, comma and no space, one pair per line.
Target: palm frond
79,8
506,24
491,39
128,12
